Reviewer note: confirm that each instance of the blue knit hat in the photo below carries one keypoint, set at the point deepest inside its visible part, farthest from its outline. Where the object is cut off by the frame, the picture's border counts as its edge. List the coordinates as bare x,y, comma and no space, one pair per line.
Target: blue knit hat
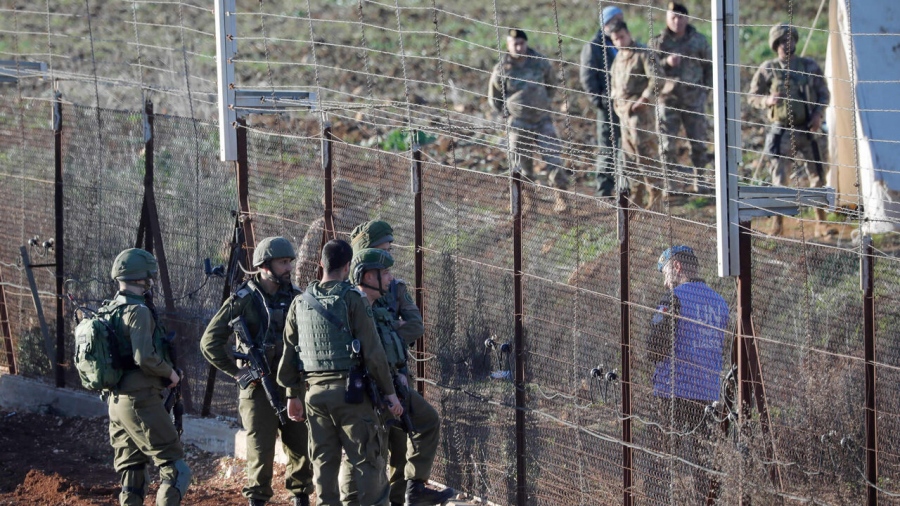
671,252
608,13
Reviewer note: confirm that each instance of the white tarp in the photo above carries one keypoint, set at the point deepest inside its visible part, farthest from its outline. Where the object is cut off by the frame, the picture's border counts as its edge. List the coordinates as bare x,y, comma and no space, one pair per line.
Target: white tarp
864,57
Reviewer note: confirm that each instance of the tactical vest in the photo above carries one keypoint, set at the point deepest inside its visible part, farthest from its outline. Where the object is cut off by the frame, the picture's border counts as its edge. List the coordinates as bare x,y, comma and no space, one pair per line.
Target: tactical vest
793,85
270,313
392,343
322,346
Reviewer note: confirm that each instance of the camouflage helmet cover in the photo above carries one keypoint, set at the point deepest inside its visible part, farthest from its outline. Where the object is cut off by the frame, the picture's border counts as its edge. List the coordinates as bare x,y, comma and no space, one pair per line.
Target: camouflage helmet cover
133,264
371,234
368,259
779,31
271,248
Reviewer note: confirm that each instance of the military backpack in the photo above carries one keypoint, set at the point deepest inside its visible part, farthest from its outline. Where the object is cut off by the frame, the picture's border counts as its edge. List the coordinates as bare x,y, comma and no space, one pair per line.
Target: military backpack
101,355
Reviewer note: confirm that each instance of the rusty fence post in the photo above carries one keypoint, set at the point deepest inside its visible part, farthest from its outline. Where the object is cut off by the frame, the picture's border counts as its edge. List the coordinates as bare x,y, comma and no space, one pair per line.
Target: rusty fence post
419,250
867,279
521,460
624,216
6,332
242,166
58,241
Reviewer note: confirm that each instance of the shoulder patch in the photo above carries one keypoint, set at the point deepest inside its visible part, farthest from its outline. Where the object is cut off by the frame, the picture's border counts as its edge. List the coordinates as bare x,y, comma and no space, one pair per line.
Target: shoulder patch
407,297
369,311
243,292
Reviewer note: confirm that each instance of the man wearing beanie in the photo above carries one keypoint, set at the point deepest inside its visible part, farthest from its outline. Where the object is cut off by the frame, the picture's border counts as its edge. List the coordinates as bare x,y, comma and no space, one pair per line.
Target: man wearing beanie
596,59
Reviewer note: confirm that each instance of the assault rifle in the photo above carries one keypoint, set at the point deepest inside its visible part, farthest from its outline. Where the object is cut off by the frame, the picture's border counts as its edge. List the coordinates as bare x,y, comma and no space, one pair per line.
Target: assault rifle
173,404
258,368
378,400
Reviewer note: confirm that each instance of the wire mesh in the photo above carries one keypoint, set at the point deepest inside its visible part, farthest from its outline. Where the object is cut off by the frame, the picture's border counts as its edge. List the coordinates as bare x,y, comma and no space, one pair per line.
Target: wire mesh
384,69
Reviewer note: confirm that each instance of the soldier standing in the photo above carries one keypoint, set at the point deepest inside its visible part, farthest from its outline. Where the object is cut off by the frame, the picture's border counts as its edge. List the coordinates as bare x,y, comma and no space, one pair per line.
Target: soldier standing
685,70
521,88
399,324
140,429
596,59
321,329
793,92
263,301
631,90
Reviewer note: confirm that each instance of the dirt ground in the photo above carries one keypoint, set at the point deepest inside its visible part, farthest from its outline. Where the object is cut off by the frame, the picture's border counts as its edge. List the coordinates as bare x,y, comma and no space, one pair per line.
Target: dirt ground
49,460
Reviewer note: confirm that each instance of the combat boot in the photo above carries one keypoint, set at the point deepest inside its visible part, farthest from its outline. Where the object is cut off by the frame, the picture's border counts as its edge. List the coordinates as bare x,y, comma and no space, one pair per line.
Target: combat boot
257,502
419,495
777,225
300,500
561,204
822,228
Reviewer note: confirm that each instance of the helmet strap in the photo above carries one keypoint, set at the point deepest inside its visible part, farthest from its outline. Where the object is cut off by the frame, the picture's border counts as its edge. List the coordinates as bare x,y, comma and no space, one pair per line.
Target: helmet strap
380,288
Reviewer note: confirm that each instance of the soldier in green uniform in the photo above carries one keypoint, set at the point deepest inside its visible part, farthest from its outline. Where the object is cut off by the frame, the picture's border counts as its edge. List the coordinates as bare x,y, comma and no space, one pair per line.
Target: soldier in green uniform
263,301
684,59
321,329
792,90
631,90
399,324
521,88
140,429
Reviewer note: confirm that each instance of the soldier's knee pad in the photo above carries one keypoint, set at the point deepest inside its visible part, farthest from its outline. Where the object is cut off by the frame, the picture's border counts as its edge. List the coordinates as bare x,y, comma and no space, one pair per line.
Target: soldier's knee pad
179,475
135,480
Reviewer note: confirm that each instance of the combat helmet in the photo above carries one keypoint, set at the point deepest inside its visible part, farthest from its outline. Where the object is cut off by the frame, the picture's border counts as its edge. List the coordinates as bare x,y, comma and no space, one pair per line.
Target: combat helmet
134,264
271,248
368,259
779,31
370,234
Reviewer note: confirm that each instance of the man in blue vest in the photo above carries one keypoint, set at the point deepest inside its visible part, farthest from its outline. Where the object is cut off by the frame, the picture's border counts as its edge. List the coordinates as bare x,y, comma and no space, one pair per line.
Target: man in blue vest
687,334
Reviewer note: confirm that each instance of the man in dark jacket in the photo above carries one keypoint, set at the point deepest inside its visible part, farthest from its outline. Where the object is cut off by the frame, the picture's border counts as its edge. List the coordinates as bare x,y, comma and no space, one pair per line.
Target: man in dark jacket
596,59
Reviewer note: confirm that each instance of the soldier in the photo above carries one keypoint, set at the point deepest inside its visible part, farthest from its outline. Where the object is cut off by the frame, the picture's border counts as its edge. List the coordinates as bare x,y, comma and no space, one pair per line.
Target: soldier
263,301
596,59
793,92
521,88
322,326
687,335
399,323
685,69
631,89
140,429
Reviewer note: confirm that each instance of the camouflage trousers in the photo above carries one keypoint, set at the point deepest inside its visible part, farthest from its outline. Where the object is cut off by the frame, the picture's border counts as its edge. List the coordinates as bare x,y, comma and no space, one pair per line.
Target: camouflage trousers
609,138
527,140
639,153
672,116
784,147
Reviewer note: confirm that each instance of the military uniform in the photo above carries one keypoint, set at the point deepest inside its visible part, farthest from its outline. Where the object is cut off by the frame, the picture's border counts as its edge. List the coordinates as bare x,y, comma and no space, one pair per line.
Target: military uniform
140,429
597,57
801,83
316,365
682,93
631,78
264,315
405,464
523,87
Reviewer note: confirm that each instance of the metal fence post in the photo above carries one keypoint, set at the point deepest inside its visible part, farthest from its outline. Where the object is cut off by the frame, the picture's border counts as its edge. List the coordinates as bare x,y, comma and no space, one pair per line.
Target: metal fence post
59,205
625,330
521,460
242,166
6,332
867,278
419,239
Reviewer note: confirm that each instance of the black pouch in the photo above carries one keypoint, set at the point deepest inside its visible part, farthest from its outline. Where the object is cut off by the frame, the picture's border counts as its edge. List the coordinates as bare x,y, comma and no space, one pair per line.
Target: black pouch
355,391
